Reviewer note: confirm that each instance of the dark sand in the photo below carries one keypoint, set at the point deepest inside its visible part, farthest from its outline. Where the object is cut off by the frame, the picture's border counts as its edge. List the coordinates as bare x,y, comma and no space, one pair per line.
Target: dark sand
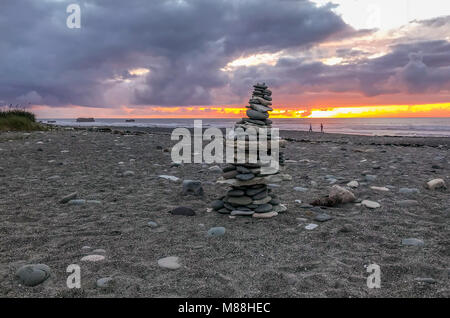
255,258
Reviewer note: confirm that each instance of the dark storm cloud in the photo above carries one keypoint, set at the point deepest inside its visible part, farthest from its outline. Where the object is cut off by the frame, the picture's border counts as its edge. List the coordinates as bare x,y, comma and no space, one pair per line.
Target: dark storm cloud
183,43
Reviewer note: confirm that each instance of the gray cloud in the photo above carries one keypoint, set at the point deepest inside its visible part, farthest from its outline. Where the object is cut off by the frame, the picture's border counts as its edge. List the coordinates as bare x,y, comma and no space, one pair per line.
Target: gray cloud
183,43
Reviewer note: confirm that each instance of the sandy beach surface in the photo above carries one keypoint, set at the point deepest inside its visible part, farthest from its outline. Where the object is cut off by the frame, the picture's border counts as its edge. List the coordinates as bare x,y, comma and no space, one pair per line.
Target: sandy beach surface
118,176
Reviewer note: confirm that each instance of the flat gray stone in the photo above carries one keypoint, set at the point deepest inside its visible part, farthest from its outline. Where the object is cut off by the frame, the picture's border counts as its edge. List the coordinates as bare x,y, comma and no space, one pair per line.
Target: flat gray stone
412,242
33,274
216,231
322,217
171,262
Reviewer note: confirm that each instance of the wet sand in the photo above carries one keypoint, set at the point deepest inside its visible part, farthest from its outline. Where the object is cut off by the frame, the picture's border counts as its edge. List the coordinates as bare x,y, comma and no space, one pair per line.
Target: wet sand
277,257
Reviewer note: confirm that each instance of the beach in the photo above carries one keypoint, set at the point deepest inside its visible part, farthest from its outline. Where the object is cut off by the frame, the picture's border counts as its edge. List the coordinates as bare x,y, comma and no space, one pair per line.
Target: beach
118,177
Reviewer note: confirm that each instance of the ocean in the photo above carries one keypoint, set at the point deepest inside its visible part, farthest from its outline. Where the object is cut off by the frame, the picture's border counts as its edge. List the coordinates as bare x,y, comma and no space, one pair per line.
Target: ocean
432,127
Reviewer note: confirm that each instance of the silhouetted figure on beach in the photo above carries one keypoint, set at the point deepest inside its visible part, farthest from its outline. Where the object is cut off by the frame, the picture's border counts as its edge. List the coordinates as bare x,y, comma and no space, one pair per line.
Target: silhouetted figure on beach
321,127
310,128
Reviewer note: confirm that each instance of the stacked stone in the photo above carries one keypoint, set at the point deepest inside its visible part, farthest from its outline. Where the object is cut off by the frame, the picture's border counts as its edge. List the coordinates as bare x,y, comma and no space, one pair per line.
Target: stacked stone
249,194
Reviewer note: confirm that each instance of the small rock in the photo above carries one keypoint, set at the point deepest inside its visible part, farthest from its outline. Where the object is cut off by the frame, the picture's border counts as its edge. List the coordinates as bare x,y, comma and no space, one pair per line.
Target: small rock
171,178
99,251
105,282
193,187
216,231
152,224
407,203
322,217
425,280
68,197
370,177
128,173
181,210
311,226
217,205
171,262
77,202
298,201
266,215
408,190
92,258
412,242
300,189
370,204
384,189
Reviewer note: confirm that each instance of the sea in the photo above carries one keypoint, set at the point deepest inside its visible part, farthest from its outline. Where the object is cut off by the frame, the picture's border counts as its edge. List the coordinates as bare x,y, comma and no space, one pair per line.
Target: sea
423,127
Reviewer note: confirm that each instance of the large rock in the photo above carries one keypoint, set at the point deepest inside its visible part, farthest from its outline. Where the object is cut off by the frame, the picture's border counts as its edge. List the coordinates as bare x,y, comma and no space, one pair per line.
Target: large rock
436,184
33,274
337,196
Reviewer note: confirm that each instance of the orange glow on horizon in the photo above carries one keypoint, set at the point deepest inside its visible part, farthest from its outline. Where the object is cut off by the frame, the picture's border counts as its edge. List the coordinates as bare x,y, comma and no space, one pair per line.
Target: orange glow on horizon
426,110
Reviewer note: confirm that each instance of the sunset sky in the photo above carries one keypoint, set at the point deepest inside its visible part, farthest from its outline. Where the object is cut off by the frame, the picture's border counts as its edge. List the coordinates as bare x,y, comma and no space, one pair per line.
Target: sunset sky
200,58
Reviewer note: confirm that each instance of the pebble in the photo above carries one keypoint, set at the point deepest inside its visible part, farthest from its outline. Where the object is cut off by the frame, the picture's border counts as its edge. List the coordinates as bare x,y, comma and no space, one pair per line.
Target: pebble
266,215
68,197
216,231
193,187
311,226
105,282
77,202
370,177
33,274
353,184
152,224
128,173
99,251
171,262
217,205
300,189
181,210
242,213
92,258
380,189
408,190
298,201
407,203
427,280
322,217
370,204
412,242
171,178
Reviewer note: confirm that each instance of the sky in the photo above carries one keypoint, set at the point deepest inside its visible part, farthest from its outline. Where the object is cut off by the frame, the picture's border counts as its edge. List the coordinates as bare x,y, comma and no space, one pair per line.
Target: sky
200,58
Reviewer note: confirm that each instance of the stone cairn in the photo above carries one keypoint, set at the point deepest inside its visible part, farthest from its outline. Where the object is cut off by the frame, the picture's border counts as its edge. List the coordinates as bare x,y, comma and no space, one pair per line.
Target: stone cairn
250,194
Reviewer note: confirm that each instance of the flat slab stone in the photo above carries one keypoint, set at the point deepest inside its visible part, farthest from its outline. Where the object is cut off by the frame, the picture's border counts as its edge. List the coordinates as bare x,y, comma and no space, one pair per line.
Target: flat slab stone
412,242
181,210
242,213
216,231
311,226
370,204
171,262
322,217
93,258
267,215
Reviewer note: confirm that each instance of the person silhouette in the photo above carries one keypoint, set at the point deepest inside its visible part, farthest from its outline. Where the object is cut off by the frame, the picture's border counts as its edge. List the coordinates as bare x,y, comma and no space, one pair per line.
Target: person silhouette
321,127
310,128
